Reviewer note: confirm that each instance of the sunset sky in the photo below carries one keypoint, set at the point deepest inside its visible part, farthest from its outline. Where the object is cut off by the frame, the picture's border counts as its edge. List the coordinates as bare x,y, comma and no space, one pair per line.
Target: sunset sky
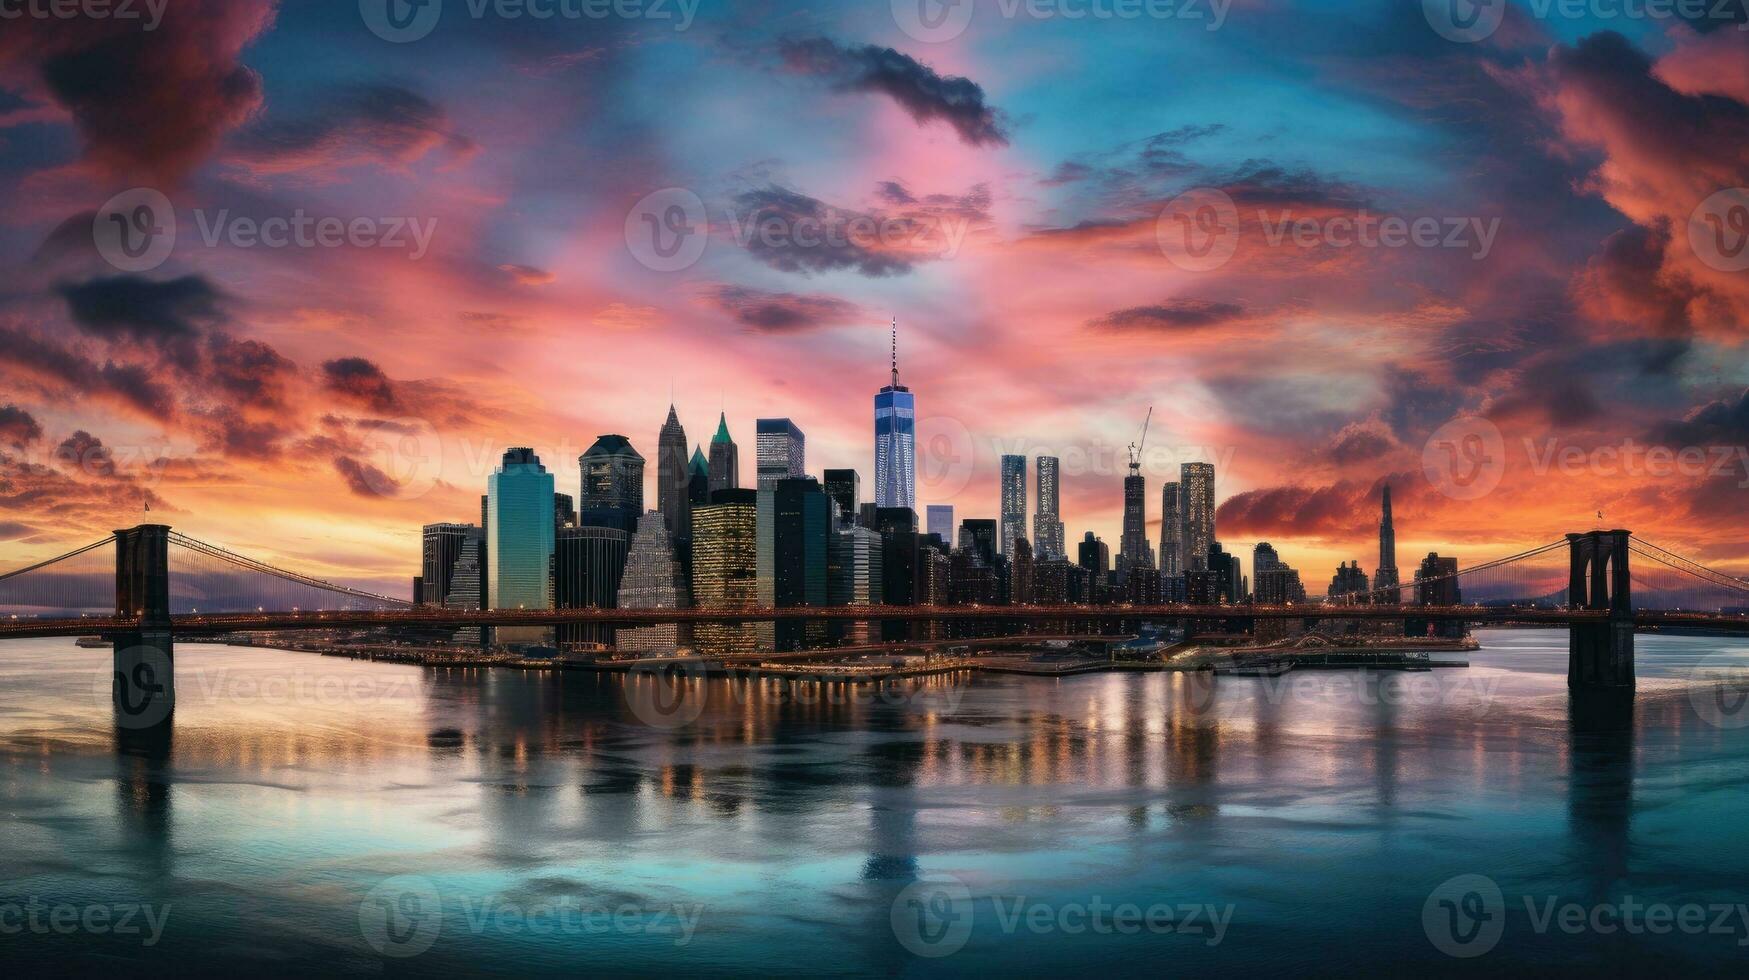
313,405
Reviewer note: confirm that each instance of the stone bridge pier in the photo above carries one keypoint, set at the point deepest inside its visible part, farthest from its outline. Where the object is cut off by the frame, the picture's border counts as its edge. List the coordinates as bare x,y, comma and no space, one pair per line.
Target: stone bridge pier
143,686
1600,654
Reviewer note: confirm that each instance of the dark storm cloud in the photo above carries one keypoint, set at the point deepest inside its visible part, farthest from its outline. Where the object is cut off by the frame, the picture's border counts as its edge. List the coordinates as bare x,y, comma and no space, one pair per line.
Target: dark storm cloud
1172,315
383,123
164,315
362,381
60,370
781,312
149,104
248,370
18,428
793,232
1343,509
85,453
362,478
916,87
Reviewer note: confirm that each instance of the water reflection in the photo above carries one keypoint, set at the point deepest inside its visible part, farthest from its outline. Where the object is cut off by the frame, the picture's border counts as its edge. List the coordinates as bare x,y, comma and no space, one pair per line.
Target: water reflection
799,811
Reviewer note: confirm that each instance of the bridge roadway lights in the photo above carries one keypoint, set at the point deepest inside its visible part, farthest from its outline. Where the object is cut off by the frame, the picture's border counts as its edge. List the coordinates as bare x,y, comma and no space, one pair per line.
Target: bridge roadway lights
1600,655
143,687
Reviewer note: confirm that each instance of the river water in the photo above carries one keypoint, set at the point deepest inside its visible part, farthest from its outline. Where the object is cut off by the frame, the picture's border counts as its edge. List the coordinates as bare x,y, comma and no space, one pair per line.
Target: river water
305,812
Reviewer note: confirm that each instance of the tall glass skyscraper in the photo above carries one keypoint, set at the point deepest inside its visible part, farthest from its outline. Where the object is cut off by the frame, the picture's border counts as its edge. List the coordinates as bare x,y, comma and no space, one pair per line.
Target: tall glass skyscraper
940,521
1171,530
612,491
1047,524
519,513
1197,482
895,410
725,459
673,474
519,507
780,449
725,568
653,579
1013,501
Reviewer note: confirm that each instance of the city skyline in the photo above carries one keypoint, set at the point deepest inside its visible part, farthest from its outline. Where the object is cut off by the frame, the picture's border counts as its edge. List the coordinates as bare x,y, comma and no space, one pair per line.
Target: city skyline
266,380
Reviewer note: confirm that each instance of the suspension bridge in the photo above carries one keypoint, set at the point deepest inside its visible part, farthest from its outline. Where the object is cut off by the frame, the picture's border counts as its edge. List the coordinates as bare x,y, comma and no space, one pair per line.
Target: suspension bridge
142,586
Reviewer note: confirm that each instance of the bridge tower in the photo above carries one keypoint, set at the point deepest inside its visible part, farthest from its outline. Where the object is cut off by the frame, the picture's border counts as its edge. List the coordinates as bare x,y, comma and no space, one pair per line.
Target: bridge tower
1600,655
144,688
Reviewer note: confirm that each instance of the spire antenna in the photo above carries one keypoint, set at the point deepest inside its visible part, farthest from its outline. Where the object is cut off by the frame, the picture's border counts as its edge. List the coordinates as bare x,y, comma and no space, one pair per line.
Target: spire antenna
895,352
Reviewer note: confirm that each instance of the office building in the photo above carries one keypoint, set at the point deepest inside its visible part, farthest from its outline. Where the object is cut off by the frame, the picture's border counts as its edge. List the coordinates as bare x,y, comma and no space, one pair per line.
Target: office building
1020,568
1348,582
519,553
612,489
793,522
1094,555
1386,577
564,510
588,564
698,479
940,521
979,536
1197,498
1134,551
895,411
1171,531
1047,524
855,575
653,579
443,545
1013,502
673,479
781,451
844,487
725,458
725,569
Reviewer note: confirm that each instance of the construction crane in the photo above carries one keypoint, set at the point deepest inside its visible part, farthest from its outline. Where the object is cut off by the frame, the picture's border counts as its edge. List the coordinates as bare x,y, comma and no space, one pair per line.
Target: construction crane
1136,448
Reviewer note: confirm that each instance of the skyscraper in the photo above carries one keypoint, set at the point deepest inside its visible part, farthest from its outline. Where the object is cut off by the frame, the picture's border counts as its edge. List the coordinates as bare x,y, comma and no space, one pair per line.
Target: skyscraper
793,526
612,491
895,410
673,473
940,521
520,511
1094,555
725,569
1133,550
1386,577
1047,525
781,450
725,461
845,489
1171,531
443,546
653,579
1013,501
698,479
979,535
854,574
1198,498
588,564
